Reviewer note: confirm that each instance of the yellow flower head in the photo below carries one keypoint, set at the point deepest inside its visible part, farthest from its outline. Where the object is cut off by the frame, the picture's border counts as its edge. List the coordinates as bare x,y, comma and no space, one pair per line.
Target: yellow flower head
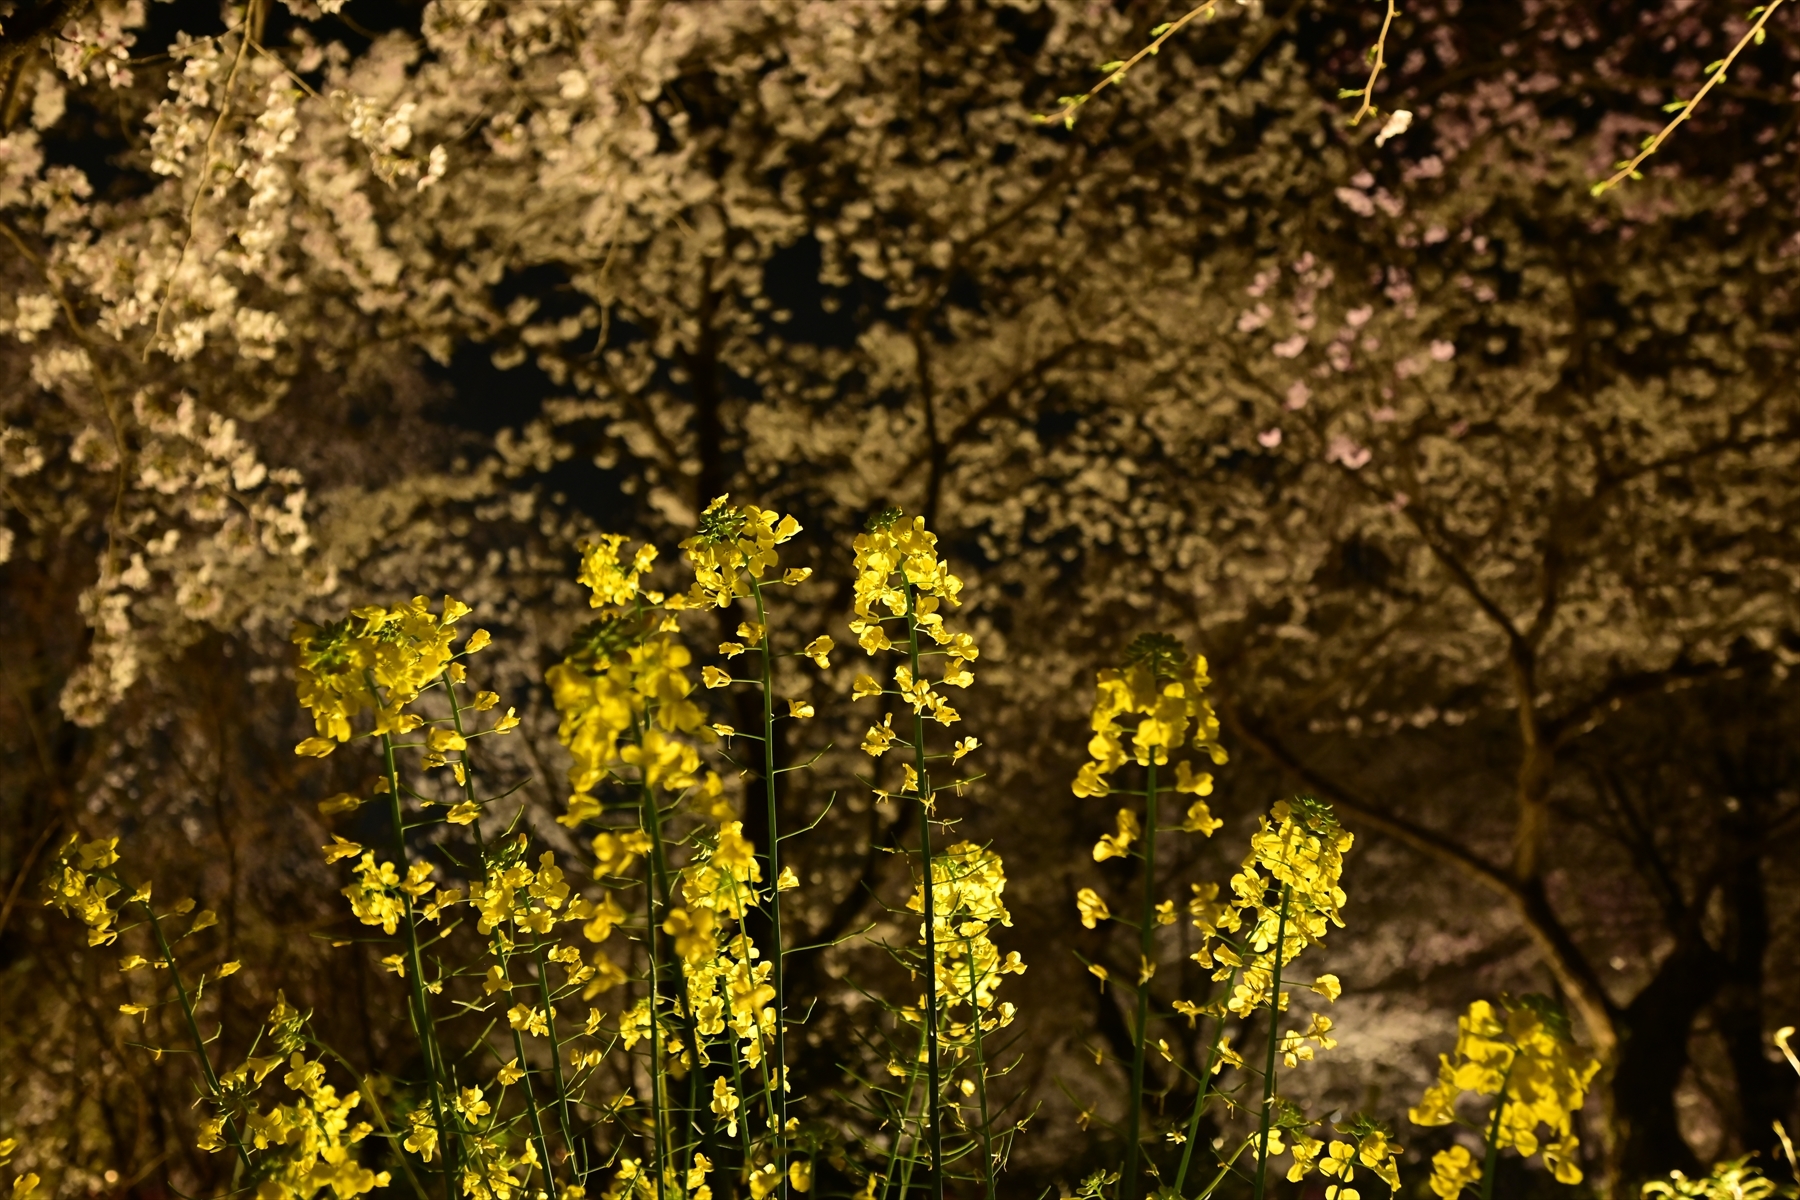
967,883
733,545
892,555
1452,1170
620,674
1166,690
1092,907
1523,1053
377,658
614,584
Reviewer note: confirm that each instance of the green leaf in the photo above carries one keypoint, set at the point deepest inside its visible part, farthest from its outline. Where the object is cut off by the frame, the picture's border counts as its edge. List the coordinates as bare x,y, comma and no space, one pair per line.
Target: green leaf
1110,67
1597,189
1348,93
1759,36
1647,142
1713,66
1677,106
1164,28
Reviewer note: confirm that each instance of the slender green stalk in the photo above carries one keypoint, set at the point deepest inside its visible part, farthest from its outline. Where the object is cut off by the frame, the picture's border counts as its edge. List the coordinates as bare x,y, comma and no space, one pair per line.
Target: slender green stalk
1212,1065
531,1108
1492,1161
987,1148
1224,1170
912,1083
495,945
187,1011
737,1082
1146,944
779,1113
656,1071
933,1097
423,1026
1268,1107
768,1086
659,869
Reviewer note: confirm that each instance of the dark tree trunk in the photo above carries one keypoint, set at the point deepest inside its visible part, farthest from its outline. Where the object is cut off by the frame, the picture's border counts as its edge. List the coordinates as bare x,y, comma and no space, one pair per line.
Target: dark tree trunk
1765,1089
1653,1053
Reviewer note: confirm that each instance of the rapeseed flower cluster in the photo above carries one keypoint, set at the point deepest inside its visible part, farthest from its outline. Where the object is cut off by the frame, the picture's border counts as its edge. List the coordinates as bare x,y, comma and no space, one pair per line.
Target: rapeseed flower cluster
77,888
967,884
1286,896
899,577
630,719
728,988
610,581
376,659
311,1141
1149,711
1166,690
705,1027
1523,1053
734,547
83,883
623,695
901,591
1369,1146
400,655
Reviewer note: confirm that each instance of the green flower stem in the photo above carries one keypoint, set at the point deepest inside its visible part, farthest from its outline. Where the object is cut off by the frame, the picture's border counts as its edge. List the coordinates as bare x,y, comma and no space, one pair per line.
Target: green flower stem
423,1026
659,869
1146,944
912,1083
737,1082
577,1150
531,1108
768,1087
779,1089
1224,1170
987,1148
1268,1106
495,946
656,1071
1491,1162
187,1011
933,1097
1212,1063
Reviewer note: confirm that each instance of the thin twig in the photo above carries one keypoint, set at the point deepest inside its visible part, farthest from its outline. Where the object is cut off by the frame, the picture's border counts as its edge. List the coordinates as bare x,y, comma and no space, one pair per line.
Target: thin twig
1378,60
1116,71
1683,109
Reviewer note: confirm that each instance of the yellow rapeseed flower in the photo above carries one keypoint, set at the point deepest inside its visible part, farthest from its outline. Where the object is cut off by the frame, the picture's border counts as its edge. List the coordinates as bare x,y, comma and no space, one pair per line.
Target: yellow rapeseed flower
1523,1053
1091,907
1452,1170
